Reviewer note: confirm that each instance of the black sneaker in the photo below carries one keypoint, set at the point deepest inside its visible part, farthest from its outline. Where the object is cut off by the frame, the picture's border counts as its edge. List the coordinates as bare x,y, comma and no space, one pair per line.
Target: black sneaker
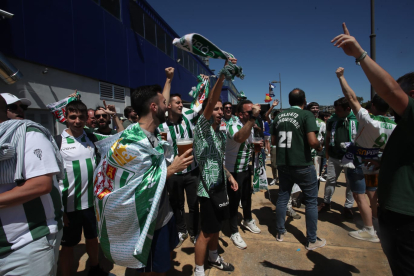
97,271
221,264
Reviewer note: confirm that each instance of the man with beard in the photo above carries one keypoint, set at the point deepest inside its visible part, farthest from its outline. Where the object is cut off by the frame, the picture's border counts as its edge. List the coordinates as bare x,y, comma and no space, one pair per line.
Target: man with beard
131,116
91,122
15,106
180,125
103,120
151,107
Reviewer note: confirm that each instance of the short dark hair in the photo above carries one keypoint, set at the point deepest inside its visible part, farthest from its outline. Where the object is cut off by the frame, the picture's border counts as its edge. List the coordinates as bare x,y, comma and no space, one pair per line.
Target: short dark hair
380,104
406,82
343,102
99,107
142,96
76,106
240,105
226,103
368,105
175,95
312,104
205,103
297,98
128,110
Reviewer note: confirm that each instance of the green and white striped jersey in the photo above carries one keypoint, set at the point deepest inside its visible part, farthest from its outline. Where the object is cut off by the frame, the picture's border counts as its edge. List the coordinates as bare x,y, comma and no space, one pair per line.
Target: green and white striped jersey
79,157
321,133
373,131
238,154
30,221
183,129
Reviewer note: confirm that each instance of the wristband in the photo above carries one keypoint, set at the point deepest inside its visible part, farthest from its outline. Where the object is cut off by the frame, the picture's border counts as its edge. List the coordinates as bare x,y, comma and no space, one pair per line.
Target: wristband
361,58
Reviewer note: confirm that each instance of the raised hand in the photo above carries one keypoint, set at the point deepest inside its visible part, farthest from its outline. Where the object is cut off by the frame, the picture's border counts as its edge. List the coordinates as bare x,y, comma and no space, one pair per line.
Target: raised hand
169,72
109,109
348,43
74,95
340,72
275,103
256,108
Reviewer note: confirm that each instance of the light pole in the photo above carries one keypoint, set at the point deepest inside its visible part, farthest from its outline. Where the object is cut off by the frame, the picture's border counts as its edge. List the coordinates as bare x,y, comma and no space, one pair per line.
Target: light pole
280,82
372,40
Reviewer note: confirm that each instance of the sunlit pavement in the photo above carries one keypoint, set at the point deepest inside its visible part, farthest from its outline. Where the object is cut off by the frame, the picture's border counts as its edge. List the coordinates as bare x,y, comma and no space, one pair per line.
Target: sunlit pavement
264,255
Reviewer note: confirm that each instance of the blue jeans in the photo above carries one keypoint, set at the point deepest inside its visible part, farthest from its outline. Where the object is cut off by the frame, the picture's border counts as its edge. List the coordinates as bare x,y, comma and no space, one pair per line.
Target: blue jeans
306,178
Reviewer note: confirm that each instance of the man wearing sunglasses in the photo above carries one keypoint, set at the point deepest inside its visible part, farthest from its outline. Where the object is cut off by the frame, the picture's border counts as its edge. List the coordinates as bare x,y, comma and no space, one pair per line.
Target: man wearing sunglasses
15,106
103,117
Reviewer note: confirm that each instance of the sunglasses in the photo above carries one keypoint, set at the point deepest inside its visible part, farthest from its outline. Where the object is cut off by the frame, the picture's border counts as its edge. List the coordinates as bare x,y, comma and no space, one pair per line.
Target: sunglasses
227,107
97,116
14,107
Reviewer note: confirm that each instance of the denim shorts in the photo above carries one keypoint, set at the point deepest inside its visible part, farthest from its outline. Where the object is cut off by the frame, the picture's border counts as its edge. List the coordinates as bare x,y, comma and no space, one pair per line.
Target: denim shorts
357,180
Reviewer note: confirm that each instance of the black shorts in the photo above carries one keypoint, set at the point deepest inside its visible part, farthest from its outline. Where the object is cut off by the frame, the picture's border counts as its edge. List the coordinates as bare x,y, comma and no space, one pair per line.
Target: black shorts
164,241
85,219
211,221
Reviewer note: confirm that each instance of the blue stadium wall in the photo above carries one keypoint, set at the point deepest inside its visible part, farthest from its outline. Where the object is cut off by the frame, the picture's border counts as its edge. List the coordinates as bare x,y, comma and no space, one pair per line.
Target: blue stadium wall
82,37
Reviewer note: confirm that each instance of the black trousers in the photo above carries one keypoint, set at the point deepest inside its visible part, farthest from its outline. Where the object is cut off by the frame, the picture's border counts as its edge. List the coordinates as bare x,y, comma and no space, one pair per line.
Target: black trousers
176,186
397,241
244,193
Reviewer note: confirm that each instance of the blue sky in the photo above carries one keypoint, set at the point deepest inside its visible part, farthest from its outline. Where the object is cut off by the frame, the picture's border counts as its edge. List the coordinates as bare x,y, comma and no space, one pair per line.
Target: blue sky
292,37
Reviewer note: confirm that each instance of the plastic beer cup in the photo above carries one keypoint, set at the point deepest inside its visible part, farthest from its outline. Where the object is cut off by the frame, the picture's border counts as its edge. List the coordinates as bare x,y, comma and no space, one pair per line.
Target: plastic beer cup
184,144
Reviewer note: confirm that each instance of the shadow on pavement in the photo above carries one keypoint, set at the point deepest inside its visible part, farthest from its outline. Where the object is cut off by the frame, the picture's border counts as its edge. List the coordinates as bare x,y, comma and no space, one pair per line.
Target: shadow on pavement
323,266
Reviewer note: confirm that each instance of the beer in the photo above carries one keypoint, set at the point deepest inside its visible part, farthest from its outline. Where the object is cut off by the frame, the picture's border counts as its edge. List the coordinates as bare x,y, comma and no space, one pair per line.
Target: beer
256,144
163,135
184,144
371,180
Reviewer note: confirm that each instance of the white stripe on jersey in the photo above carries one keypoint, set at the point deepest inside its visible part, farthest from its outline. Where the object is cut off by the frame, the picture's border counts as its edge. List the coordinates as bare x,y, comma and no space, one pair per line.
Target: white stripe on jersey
237,158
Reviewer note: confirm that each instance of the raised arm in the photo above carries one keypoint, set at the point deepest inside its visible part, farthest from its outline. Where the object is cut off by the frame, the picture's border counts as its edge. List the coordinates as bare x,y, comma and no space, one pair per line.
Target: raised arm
274,104
214,95
169,73
386,87
111,111
244,133
347,90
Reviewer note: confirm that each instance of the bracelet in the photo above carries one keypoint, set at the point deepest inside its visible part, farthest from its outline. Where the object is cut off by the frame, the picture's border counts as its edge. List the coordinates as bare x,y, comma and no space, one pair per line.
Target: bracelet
361,58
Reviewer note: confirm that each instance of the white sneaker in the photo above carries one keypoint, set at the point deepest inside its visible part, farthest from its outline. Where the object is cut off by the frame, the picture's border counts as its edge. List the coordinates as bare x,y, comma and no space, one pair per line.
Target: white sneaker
182,237
364,235
251,226
322,179
238,241
197,273
273,182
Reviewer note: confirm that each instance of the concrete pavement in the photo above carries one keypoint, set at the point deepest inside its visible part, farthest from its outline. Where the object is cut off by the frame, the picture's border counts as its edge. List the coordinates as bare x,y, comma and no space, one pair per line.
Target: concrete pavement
341,256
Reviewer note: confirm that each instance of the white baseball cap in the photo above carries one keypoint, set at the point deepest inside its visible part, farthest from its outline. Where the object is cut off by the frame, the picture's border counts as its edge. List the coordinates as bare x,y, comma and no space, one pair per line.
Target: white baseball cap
10,98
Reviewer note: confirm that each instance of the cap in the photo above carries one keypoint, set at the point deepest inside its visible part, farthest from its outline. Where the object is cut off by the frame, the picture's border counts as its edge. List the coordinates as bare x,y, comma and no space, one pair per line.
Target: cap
10,98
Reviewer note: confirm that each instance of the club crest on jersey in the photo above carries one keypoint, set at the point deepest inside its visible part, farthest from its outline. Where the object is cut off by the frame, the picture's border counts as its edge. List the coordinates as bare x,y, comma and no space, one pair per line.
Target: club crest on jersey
120,154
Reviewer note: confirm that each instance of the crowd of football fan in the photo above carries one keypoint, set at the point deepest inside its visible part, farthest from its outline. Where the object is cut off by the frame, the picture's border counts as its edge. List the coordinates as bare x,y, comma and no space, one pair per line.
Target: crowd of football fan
305,146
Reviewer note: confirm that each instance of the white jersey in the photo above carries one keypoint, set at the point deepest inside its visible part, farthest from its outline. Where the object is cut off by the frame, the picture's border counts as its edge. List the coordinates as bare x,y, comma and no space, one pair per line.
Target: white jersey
183,129
24,223
321,133
373,131
79,157
238,154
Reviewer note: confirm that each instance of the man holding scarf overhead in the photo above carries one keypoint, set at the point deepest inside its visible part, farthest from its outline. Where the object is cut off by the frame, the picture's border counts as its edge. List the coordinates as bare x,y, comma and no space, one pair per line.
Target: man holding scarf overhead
341,128
209,149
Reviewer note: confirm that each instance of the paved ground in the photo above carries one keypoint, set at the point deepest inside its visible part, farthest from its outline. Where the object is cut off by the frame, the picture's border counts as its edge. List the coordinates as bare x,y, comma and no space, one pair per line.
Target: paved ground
341,256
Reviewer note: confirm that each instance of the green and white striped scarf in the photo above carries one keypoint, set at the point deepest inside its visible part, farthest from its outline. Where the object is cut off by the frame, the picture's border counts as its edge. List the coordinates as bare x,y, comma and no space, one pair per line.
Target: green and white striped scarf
201,46
59,108
128,184
199,94
259,177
